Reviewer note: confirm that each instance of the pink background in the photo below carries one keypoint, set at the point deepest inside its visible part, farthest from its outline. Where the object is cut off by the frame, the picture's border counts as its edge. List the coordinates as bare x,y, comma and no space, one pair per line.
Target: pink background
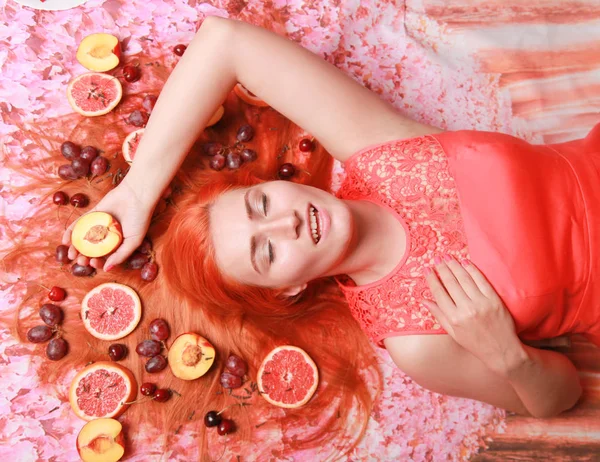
527,68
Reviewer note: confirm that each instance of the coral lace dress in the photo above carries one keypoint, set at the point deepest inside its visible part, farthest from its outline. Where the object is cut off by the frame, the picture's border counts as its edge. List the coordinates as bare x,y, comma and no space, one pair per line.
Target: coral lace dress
527,215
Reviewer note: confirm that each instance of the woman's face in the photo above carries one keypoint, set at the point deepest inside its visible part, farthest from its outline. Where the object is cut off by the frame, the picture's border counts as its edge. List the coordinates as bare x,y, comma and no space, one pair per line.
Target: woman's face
264,235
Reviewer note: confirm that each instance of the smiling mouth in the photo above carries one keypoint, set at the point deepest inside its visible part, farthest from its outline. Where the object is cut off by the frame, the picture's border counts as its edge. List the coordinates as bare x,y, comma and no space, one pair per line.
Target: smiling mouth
315,225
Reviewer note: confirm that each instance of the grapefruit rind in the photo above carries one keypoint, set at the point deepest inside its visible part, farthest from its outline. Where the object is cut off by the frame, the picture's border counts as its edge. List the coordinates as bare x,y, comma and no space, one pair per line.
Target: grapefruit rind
245,96
126,148
309,393
87,322
126,374
109,107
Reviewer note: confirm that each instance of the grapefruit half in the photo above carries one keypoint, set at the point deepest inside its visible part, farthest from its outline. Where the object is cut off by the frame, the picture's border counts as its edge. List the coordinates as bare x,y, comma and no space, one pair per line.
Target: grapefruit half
247,96
288,377
131,144
94,94
101,389
111,311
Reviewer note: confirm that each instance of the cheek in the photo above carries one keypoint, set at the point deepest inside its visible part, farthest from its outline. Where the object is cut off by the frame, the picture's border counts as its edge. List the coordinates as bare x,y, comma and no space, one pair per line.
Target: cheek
294,263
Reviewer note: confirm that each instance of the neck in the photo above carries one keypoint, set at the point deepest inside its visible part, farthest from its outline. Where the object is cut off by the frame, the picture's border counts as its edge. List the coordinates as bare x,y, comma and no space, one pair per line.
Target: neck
376,243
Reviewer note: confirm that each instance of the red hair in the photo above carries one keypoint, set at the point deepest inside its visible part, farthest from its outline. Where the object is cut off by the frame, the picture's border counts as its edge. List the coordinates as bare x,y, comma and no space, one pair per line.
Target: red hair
192,296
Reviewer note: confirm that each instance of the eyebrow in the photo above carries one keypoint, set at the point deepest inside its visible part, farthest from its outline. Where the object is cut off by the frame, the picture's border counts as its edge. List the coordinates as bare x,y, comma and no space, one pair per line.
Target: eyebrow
252,239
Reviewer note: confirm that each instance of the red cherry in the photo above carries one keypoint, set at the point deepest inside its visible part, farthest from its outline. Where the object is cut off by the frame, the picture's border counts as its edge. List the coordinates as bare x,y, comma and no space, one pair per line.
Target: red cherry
57,294
148,389
162,395
60,198
286,171
226,426
306,145
179,50
131,73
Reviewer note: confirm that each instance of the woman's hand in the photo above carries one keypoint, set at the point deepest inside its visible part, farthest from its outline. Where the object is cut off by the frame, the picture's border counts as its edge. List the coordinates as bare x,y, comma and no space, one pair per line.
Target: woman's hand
472,313
131,211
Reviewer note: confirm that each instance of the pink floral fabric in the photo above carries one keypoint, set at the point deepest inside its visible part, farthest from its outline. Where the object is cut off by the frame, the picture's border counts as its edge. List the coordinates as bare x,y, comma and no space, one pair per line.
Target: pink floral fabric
411,178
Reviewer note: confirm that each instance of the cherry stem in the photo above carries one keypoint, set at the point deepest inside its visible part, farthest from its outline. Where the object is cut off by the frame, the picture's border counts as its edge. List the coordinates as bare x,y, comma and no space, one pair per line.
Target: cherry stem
234,404
69,217
307,172
41,285
141,400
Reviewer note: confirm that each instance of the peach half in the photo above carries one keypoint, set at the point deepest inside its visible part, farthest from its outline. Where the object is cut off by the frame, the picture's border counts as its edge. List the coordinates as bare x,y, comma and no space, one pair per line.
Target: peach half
96,234
99,52
101,440
191,356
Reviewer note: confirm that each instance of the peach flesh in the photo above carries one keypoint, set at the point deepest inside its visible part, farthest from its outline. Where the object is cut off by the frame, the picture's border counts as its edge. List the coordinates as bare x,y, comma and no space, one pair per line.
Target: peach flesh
191,356
101,440
96,234
99,52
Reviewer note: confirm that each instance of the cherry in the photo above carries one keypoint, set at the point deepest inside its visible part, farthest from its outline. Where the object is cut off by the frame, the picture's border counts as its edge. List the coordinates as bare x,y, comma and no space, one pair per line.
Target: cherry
245,133
162,395
156,364
57,349
159,329
79,200
148,348
147,389
60,198
80,166
117,351
286,171
138,118
236,365
306,145
212,419
62,254
39,334
66,172
70,150
233,161
57,294
89,153
249,155
131,73
149,271
99,166
217,162
179,49
225,427
212,148
52,315
149,102
229,380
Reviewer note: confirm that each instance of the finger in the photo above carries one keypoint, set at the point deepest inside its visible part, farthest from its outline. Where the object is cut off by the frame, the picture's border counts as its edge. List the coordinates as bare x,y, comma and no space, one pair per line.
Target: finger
72,253
438,314
122,253
450,283
480,280
66,237
441,297
97,263
83,260
463,277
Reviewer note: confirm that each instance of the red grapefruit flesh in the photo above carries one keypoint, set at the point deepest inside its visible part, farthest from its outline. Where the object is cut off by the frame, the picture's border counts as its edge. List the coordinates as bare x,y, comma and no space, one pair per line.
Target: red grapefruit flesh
288,377
111,311
131,144
94,94
101,389
247,96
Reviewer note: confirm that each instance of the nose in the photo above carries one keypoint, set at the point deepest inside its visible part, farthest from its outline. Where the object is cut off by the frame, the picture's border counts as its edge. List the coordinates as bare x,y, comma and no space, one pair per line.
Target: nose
285,226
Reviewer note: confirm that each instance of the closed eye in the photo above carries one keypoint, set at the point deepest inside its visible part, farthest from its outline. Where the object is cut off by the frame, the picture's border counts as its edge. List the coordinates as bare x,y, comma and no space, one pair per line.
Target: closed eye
265,204
271,253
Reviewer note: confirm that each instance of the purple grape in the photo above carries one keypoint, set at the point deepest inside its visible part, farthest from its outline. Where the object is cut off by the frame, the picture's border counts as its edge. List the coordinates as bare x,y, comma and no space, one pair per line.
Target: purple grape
249,155
89,153
156,364
57,349
217,162
229,380
138,118
245,133
70,150
62,254
233,161
80,166
82,271
39,334
236,365
212,148
159,329
66,172
146,246
52,315
149,271
137,260
149,348
99,166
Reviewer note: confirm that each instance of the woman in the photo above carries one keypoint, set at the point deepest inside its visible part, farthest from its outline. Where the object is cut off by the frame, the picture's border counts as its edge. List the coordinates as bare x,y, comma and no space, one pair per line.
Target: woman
414,197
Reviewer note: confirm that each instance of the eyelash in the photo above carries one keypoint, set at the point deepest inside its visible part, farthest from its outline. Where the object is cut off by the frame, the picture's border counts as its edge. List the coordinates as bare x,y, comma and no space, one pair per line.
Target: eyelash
271,256
264,201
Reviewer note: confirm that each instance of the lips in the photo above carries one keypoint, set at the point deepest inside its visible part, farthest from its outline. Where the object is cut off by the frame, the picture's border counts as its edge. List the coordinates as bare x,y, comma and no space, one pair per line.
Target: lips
314,223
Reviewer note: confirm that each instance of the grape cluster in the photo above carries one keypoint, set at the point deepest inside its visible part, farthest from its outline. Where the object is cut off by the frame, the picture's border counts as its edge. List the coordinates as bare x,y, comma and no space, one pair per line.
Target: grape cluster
143,259
52,316
151,348
233,156
84,161
235,369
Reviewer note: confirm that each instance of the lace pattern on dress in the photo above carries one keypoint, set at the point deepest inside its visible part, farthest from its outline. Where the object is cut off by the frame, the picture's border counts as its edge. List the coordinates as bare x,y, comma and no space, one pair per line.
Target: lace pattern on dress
413,178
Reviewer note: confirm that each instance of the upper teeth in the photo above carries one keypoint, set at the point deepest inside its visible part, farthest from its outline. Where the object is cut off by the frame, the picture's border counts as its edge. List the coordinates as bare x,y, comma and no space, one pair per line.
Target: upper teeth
313,225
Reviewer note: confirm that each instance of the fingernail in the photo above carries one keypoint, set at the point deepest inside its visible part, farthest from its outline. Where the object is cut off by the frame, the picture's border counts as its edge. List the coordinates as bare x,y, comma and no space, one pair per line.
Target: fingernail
427,271
448,257
465,262
437,260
